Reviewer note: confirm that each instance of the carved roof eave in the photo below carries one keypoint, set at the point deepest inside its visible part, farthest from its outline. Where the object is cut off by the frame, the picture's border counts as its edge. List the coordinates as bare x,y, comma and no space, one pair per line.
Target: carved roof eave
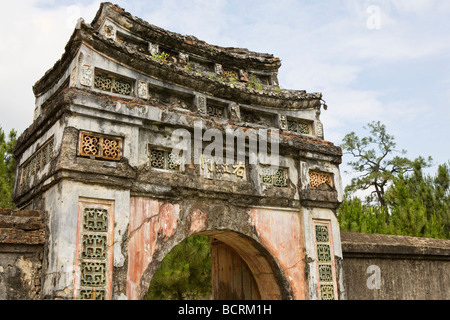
145,64
186,43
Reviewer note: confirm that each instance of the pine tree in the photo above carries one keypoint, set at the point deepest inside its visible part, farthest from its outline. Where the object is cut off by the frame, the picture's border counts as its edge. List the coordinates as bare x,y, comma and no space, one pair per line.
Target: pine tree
416,205
375,162
7,168
420,203
185,272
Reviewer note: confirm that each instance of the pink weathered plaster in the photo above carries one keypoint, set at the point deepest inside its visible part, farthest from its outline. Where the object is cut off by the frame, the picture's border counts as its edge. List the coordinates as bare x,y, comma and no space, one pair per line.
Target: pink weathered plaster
148,220
280,233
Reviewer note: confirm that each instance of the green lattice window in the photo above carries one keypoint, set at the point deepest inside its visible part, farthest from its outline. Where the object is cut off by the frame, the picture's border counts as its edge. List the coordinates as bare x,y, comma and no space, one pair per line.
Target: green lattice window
301,127
275,177
322,233
93,294
325,272
94,246
325,264
93,274
93,253
37,161
327,292
166,160
95,220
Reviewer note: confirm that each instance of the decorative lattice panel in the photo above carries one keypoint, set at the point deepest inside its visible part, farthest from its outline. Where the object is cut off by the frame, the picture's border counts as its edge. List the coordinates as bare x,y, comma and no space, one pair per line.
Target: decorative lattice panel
161,159
280,178
322,233
98,146
111,148
327,292
93,254
112,84
325,272
323,253
95,220
93,274
299,127
277,178
215,111
325,261
230,74
37,161
92,294
94,246
121,87
318,178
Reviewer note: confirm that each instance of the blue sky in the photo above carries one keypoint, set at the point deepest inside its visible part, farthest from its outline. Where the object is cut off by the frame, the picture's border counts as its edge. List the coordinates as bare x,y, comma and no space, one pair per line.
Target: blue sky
372,60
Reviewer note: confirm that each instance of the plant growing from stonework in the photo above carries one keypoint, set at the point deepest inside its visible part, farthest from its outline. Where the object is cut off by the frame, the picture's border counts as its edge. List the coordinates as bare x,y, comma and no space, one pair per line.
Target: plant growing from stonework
215,77
189,67
277,89
232,80
161,57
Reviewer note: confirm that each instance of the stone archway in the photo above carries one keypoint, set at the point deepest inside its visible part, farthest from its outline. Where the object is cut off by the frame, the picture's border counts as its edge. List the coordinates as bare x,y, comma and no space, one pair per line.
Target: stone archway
157,227
255,266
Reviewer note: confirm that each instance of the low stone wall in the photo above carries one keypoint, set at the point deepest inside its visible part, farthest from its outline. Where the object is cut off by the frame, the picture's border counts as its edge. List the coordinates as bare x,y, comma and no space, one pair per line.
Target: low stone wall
22,236
387,267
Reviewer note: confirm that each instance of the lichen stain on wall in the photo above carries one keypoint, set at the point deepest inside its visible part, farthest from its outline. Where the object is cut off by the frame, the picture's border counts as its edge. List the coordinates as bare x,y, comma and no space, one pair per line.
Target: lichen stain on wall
198,221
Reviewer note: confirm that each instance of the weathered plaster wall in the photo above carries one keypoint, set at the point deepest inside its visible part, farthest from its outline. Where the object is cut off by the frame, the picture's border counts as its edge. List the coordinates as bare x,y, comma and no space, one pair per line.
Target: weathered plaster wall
61,203
272,249
386,267
21,251
280,231
309,216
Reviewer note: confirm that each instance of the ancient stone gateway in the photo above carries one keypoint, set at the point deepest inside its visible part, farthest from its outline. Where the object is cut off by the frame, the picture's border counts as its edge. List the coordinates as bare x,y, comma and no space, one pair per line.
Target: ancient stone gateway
125,159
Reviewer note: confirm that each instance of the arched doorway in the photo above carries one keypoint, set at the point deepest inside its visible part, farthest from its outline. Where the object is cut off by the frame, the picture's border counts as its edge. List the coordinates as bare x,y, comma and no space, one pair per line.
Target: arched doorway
241,269
272,256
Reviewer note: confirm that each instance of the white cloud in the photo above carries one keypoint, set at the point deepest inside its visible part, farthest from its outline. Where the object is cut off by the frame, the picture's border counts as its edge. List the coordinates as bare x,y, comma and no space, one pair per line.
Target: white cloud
33,39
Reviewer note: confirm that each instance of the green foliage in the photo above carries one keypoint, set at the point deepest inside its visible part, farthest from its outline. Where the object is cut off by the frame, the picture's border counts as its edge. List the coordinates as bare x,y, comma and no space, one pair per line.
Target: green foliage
233,80
253,82
354,216
409,219
277,89
425,194
185,272
215,77
7,168
374,161
189,67
408,201
161,57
